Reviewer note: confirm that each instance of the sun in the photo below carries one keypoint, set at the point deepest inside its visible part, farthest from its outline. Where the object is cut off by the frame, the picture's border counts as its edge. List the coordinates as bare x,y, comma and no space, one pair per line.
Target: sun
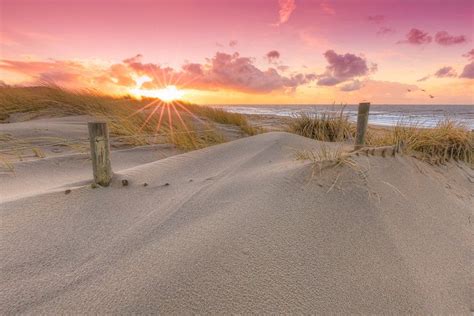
167,94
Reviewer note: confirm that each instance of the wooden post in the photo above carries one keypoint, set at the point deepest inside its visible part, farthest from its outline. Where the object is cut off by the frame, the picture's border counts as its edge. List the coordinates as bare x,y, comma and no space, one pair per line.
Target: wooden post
362,120
100,152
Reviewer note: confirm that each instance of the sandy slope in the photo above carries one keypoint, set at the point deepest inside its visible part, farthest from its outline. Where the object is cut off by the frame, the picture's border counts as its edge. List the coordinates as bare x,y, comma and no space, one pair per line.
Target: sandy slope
41,175
241,227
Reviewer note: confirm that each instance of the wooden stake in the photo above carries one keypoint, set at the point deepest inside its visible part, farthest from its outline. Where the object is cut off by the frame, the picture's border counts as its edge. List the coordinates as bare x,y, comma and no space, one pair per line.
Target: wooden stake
362,121
100,152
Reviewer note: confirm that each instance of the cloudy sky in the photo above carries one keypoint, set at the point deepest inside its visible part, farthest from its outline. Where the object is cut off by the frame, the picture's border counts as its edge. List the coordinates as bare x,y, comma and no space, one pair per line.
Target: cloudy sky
247,51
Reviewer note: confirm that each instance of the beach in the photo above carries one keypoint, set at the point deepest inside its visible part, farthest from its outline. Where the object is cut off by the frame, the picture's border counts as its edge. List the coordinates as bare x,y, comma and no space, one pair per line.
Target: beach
264,157
240,227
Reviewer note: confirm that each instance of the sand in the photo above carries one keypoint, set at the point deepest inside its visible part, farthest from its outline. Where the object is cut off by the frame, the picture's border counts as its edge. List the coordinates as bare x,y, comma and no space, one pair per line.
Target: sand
244,227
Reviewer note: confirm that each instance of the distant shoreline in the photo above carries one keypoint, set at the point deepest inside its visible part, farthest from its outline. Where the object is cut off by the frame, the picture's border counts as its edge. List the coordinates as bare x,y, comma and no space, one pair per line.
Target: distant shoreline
380,115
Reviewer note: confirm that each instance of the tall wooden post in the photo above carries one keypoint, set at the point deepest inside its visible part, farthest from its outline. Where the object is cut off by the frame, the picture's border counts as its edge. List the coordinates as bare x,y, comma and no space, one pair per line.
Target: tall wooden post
362,121
100,152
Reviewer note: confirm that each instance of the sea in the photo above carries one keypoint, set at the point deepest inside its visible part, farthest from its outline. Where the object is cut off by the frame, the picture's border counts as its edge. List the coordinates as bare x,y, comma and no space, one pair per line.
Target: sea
384,115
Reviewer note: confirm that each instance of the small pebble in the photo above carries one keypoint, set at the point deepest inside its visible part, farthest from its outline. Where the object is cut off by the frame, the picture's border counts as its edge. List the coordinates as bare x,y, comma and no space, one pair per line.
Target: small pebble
124,182
190,180
166,184
67,191
94,186
145,184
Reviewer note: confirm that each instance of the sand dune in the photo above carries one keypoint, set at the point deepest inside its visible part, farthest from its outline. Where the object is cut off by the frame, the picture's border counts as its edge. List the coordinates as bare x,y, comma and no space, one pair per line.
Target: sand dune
43,175
242,227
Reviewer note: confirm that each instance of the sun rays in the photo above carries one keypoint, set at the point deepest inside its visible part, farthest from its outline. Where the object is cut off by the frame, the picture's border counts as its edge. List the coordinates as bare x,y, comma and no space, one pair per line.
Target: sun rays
168,93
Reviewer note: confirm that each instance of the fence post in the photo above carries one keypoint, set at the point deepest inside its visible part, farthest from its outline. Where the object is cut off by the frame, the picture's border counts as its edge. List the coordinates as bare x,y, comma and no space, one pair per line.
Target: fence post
362,120
100,152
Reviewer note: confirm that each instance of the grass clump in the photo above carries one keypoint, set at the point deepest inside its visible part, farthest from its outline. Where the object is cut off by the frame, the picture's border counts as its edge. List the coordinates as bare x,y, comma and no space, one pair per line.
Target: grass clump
447,140
326,126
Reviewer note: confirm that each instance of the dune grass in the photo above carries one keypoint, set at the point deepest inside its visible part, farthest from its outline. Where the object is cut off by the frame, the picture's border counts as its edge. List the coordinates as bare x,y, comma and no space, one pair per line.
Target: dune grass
324,126
126,122
223,117
447,140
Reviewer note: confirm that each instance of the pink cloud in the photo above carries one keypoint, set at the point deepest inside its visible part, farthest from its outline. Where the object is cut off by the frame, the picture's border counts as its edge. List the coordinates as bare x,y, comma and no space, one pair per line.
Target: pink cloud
272,56
446,72
34,67
468,71
423,79
343,68
352,86
469,55
135,59
195,69
417,37
233,43
62,72
286,9
385,30
443,38
377,19
223,71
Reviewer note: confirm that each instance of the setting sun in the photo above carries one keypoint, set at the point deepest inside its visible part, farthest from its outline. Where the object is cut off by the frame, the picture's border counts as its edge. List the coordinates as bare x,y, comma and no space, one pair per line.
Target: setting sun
166,94
169,93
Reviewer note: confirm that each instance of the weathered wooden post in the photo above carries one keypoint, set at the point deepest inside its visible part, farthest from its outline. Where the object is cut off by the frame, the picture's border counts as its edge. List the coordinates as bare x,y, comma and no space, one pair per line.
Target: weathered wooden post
362,121
100,152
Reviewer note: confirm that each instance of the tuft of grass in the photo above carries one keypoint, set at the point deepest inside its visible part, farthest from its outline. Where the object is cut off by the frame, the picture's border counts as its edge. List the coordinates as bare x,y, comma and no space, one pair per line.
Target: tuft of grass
325,126
447,140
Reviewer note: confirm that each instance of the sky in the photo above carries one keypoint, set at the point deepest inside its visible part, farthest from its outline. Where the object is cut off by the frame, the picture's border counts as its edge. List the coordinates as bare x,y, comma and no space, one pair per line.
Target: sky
247,51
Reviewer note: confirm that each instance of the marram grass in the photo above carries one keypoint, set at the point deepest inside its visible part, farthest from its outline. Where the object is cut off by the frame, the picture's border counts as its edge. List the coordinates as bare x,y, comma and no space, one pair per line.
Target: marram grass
448,140
132,127
325,126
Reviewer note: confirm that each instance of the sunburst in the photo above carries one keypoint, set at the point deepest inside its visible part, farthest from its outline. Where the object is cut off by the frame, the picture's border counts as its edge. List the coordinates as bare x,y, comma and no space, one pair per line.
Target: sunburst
168,94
